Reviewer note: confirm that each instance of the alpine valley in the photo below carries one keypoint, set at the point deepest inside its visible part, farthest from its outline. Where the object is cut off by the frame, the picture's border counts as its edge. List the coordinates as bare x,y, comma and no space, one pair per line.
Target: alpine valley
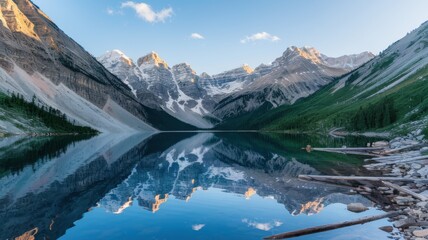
44,71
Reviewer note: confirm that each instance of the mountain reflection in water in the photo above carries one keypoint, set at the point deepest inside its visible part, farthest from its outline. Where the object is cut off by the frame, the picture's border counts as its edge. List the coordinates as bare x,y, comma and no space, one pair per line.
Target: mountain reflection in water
81,190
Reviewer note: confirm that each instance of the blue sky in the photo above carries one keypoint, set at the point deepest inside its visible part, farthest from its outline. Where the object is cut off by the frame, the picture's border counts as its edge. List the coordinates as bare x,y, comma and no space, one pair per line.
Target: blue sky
234,31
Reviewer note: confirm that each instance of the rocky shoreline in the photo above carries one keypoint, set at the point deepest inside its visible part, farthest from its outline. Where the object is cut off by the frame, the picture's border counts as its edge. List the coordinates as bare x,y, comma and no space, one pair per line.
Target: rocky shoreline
408,161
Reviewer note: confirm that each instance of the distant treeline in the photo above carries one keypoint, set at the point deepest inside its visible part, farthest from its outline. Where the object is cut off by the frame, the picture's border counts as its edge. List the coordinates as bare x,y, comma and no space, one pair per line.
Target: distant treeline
51,117
375,116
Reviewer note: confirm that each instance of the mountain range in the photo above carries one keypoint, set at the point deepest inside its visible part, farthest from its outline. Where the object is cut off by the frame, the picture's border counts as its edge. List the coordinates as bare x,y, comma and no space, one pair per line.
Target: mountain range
301,89
204,100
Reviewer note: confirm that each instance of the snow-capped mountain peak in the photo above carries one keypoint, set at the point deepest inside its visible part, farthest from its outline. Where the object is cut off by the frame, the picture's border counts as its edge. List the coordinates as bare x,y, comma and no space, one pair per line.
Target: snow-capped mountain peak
115,56
152,59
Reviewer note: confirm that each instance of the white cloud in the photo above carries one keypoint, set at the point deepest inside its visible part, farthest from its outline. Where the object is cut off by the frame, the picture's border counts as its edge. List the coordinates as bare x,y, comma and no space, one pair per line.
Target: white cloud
146,12
198,227
196,36
110,11
262,226
260,36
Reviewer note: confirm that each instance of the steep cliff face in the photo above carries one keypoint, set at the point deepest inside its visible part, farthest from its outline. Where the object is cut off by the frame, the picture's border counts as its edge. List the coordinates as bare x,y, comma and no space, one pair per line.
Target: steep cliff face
38,59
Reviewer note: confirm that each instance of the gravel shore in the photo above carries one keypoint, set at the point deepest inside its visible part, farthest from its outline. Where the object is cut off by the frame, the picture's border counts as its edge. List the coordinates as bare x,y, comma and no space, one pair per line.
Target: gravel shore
408,163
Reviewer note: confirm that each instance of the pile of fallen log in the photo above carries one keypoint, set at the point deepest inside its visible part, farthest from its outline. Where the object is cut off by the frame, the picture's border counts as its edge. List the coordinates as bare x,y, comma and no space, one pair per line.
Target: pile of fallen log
403,190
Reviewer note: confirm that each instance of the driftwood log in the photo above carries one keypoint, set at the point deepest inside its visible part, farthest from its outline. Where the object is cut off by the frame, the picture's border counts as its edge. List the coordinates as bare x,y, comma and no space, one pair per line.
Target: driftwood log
405,190
329,227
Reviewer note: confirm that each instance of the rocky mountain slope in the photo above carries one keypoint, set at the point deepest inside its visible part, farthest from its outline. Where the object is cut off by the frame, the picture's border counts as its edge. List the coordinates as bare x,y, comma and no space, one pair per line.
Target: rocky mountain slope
174,90
387,92
298,73
204,100
38,59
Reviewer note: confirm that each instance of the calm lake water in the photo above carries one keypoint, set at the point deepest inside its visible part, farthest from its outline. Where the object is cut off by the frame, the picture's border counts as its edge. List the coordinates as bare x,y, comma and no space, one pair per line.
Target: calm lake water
175,186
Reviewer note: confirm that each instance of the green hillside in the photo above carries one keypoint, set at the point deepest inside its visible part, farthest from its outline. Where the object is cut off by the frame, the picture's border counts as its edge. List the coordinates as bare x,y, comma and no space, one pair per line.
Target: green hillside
327,109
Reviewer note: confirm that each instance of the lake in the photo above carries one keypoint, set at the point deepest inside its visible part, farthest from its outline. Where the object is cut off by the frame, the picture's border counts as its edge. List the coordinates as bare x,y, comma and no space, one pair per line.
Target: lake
176,186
